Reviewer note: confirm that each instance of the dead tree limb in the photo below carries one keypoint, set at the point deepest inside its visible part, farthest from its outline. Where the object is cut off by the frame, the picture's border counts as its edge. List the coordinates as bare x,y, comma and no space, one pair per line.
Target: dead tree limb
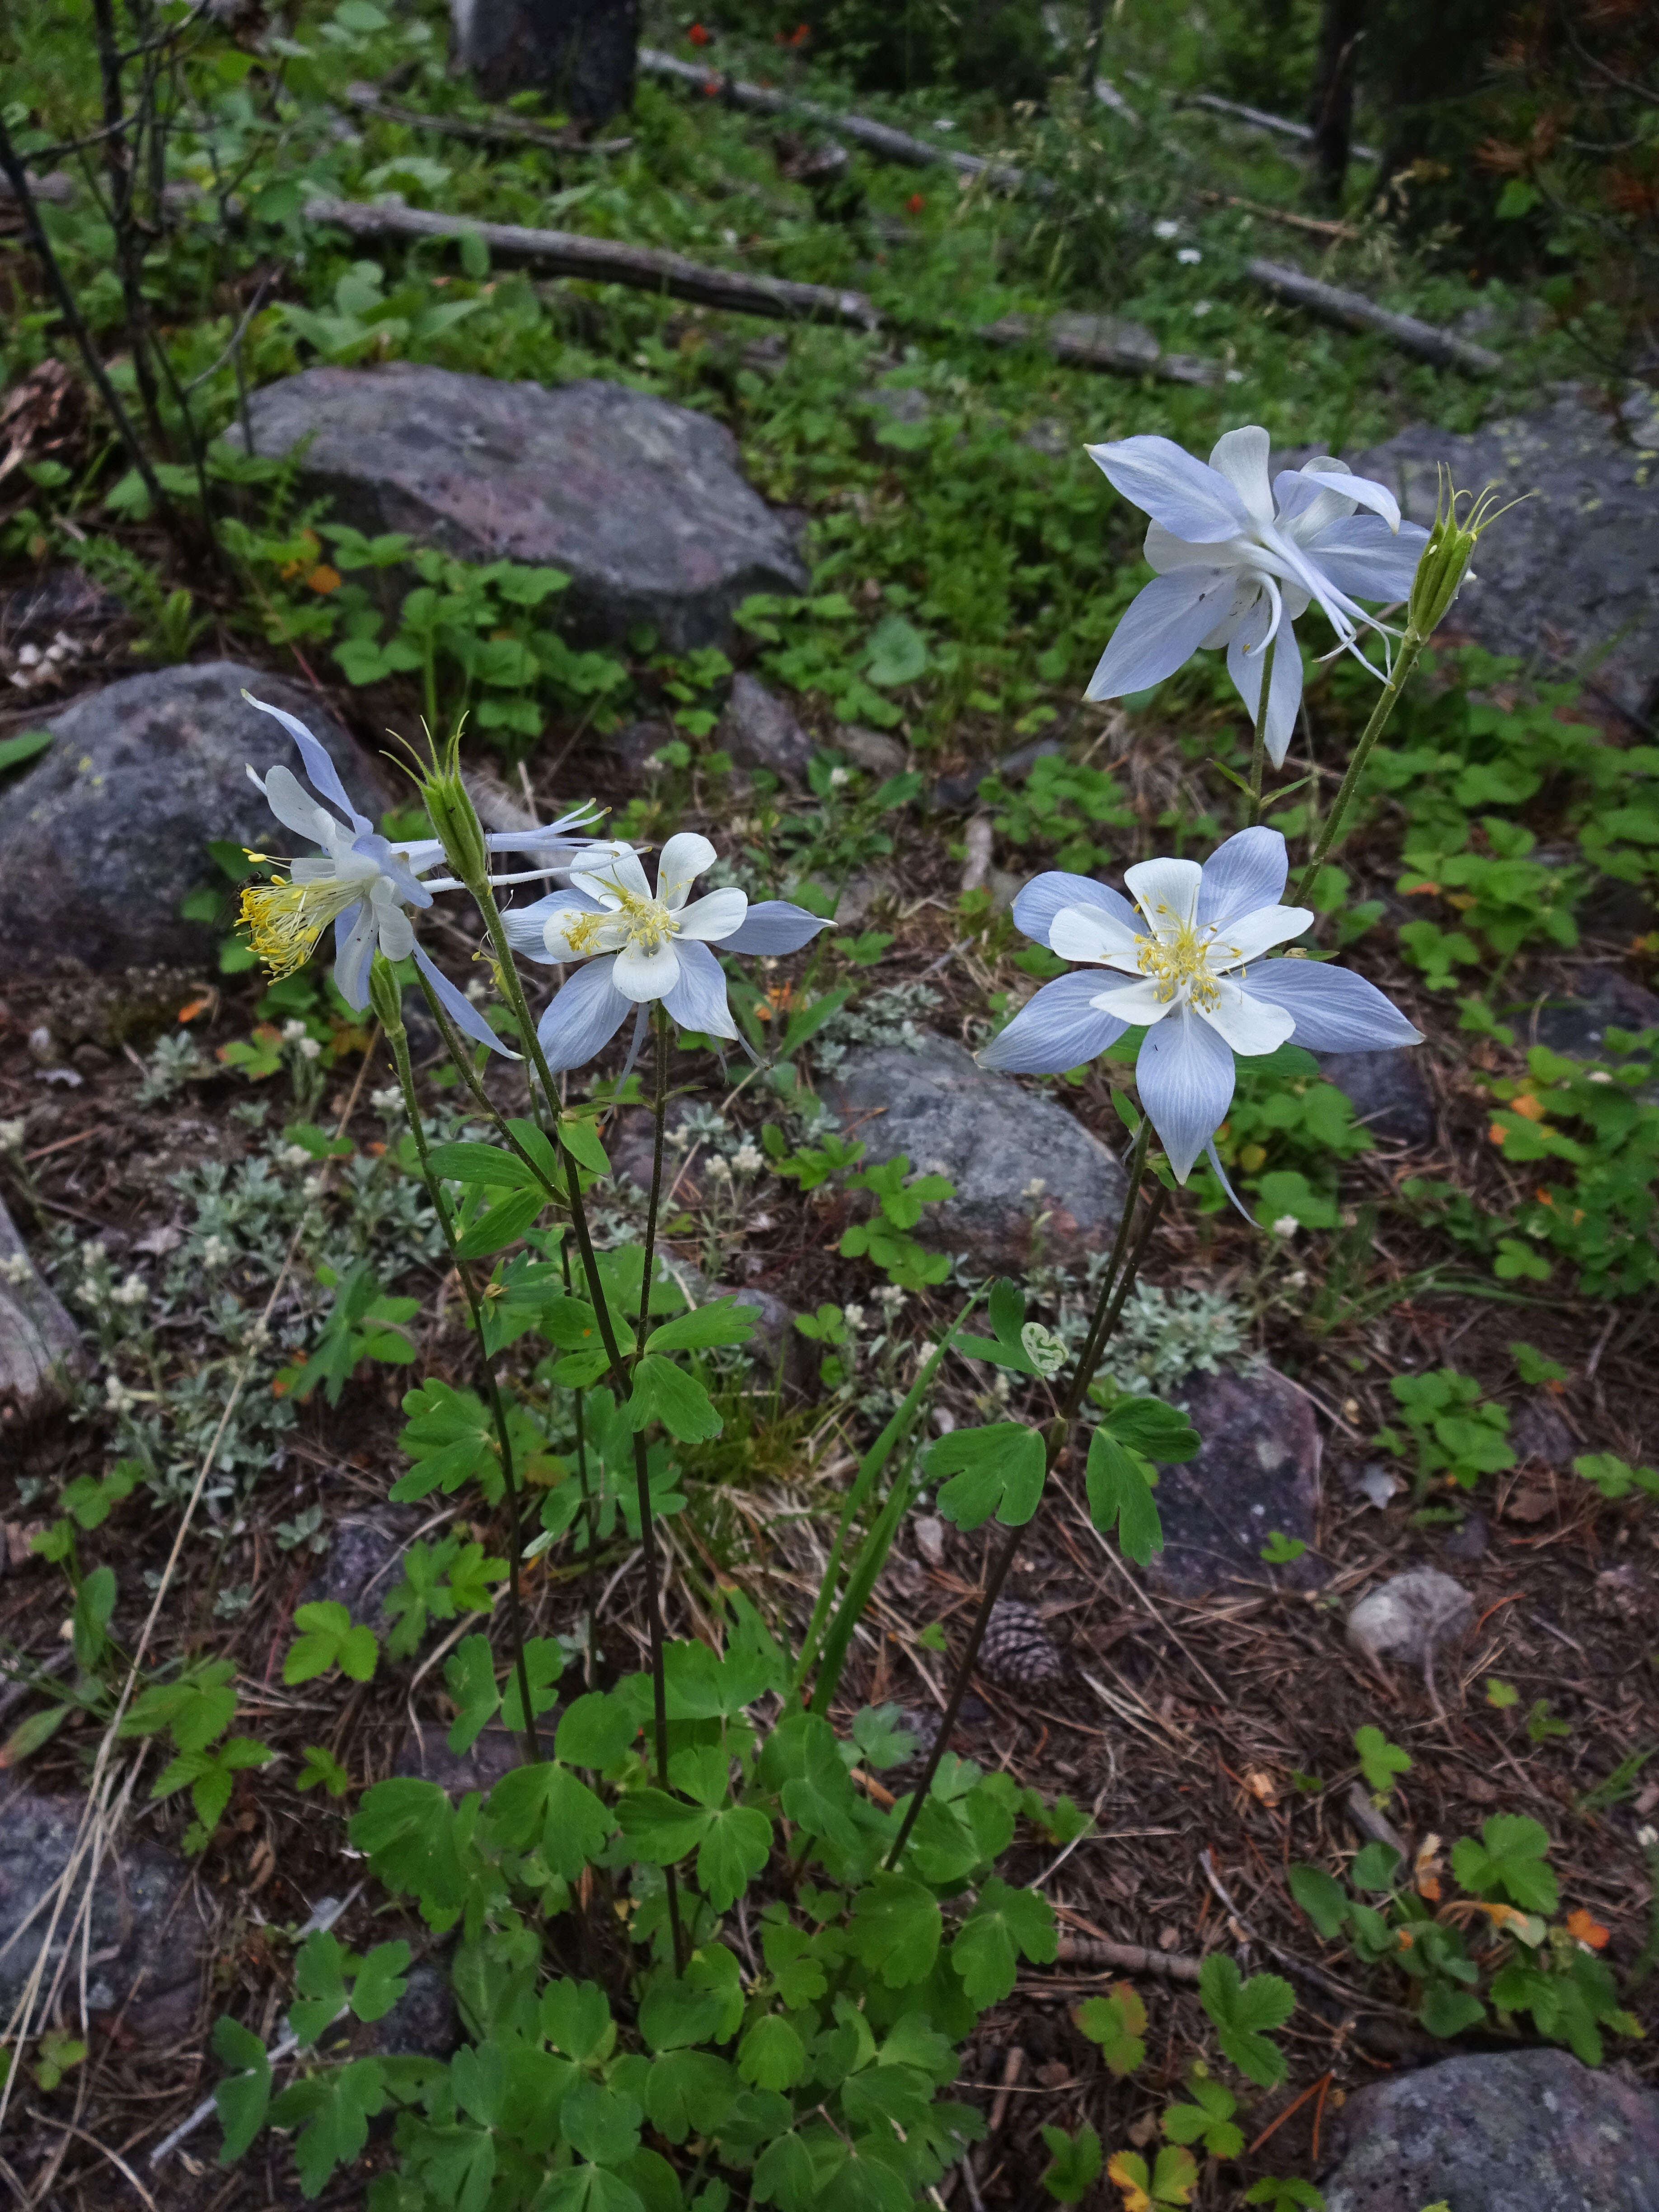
1356,312
606,261
1104,342
496,130
880,138
1257,119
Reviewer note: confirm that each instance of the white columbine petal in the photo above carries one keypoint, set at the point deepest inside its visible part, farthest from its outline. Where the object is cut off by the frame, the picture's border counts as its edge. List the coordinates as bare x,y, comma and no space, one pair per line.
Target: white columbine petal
1250,1026
682,859
1241,456
716,915
1134,1003
1091,933
1166,892
645,972
1247,936
1043,898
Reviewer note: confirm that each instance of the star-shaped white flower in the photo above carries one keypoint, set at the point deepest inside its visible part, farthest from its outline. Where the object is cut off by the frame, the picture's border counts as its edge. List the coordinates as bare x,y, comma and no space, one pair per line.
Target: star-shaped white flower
1202,990
641,943
1239,558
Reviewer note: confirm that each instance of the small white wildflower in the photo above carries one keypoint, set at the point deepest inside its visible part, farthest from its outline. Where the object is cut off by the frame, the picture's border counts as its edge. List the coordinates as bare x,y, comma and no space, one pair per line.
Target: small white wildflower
1297,1279
651,764
1164,227
852,1315
313,1186
721,1167
1647,1837
215,1252
748,1160
258,1334
478,990
309,1048
117,1396
1232,376
131,1292
293,1030
90,1291
1189,255
1286,1225
838,776
1036,1187
1200,308
16,1270
390,1100
91,1252
1598,1075
294,1156
12,1134
892,1295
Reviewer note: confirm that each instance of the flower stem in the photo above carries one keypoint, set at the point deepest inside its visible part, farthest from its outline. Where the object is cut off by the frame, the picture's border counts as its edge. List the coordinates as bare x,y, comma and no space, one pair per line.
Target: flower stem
1411,648
1259,743
642,1464
1114,1287
398,1038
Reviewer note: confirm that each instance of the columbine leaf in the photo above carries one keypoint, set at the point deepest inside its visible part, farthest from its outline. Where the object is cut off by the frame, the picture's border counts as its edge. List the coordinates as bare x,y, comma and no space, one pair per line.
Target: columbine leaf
998,1470
1120,1496
1321,1897
688,2092
771,2055
895,1928
663,1392
335,2107
723,1323
733,1853
1004,1924
1240,2011
470,1674
1158,1431
243,2097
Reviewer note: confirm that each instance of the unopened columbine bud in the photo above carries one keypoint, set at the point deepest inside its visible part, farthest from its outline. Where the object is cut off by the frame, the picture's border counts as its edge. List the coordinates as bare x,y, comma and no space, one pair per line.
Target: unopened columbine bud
1445,559
454,818
385,996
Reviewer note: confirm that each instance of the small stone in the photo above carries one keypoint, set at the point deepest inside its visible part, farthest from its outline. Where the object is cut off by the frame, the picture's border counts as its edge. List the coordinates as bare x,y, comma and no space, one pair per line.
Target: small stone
759,730
941,1109
905,405
1256,1474
422,2023
426,1755
1387,1091
1540,1432
144,1918
1470,1539
1375,1483
1017,1650
640,502
105,833
360,1571
1411,1616
1498,2131
59,599
40,1348
929,1532
874,750
1577,1027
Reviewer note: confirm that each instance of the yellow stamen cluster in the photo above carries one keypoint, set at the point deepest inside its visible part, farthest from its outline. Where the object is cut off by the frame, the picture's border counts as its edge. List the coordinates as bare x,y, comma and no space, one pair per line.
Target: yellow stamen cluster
284,919
1178,963
650,925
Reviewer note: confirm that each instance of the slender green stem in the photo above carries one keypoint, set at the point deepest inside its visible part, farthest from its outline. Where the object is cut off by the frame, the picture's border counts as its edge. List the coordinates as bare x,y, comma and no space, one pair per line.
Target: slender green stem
1259,743
1411,649
399,1039
1114,1288
461,1054
641,1460
507,968
590,1512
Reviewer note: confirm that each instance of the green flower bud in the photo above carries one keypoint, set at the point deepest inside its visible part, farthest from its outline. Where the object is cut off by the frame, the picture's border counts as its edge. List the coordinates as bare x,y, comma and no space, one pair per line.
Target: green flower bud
454,818
384,995
1445,558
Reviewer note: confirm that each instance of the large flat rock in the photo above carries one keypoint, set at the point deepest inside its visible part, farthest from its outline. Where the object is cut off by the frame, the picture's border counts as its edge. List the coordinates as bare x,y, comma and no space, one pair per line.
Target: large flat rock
641,503
103,836
1573,573
1501,2131
1024,1168
1257,1475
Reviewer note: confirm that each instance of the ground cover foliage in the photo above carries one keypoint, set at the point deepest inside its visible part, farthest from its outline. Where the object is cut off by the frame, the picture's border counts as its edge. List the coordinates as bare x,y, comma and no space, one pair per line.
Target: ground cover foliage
683,1968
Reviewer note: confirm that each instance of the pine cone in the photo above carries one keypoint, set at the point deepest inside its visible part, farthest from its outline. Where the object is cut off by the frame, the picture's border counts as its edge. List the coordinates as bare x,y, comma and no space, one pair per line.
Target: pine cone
1019,1651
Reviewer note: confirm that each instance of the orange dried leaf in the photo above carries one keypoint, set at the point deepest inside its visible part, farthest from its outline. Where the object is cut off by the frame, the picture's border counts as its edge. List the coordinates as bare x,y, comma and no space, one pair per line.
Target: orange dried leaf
189,1011
1585,1929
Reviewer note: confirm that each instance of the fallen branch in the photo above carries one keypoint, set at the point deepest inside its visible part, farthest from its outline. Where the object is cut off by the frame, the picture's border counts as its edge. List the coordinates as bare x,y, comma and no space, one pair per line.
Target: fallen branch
1321,226
1356,312
498,130
1276,126
606,261
1083,341
1094,1948
879,137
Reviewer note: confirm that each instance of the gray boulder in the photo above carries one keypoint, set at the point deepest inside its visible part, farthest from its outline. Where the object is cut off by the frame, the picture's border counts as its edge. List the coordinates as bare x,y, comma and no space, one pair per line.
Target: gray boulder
1387,1091
40,1348
1573,572
640,502
145,1922
1577,1027
1256,1474
1500,2131
103,836
1022,1167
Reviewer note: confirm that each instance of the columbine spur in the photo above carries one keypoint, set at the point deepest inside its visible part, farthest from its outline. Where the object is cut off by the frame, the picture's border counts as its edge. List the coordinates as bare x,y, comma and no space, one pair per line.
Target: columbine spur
360,881
1202,988
1239,558
642,945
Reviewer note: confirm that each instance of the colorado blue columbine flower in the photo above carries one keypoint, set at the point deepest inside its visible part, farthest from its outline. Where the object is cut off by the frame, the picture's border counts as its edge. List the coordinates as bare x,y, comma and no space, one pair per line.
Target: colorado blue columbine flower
642,945
1202,988
1238,559
360,882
